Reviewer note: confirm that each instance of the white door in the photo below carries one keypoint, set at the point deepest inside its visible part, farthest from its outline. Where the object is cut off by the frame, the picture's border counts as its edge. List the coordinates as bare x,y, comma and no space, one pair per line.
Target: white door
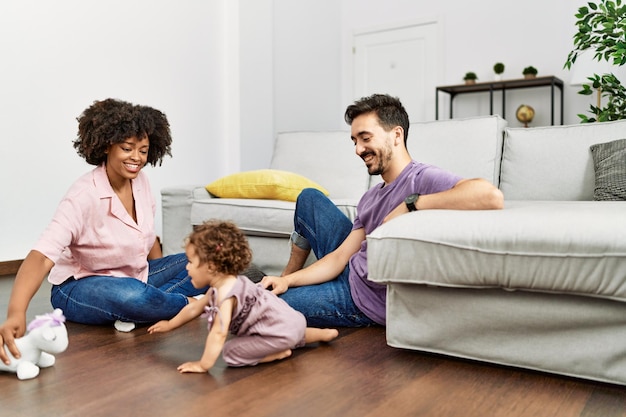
400,61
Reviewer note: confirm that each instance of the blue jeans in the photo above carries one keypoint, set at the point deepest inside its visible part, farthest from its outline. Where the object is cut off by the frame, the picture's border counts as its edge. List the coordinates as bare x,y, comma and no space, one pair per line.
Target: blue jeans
324,227
103,299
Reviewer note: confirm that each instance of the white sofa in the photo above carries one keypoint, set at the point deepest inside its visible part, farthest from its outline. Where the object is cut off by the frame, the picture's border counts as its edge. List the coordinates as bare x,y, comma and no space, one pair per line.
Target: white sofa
540,284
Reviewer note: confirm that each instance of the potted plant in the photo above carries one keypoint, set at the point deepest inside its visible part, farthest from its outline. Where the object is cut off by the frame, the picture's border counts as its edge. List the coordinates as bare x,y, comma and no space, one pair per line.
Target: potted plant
602,28
529,72
470,78
498,68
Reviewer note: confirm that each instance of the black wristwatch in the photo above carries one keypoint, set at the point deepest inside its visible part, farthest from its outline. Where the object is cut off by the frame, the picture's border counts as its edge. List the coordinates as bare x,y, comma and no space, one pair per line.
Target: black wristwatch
410,202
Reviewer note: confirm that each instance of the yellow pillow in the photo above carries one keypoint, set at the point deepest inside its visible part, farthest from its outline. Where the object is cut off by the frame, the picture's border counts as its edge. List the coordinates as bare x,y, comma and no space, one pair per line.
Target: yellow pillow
270,184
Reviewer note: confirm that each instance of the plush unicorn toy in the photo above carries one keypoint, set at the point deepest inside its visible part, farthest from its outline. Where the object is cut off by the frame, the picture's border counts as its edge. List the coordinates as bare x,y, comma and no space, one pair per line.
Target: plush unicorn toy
46,335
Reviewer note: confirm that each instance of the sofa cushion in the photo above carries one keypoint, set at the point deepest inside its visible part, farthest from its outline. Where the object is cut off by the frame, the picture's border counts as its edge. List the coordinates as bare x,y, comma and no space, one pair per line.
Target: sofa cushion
327,158
553,162
609,162
271,184
256,217
470,147
574,247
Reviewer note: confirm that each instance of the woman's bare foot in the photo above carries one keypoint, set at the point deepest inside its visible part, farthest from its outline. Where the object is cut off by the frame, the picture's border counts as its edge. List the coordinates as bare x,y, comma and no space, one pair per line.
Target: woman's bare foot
314,334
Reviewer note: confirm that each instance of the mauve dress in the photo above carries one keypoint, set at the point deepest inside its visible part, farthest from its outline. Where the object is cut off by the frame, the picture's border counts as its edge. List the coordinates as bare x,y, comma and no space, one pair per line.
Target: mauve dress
262,323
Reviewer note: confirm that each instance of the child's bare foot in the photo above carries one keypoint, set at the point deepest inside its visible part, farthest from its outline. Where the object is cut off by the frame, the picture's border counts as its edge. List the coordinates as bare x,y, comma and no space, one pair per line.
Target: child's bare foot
276,356
313,334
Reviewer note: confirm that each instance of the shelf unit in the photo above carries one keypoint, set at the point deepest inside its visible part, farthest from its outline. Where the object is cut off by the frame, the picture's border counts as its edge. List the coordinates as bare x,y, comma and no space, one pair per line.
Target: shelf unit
547,81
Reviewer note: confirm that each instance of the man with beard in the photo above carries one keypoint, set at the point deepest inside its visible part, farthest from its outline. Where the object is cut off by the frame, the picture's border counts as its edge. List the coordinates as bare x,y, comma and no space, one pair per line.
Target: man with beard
334,291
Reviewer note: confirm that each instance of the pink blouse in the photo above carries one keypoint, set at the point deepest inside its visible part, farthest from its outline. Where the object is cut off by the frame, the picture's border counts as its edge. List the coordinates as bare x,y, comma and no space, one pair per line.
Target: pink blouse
91,232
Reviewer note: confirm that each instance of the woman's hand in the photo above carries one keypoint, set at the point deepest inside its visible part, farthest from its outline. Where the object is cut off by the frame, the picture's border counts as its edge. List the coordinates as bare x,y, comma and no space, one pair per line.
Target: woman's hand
31,274
13,327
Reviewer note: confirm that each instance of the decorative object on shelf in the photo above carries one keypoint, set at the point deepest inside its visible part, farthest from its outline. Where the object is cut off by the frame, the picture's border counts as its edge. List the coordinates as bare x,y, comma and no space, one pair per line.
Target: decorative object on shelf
602,28
525,114
529,72
470,78
554,84
498,68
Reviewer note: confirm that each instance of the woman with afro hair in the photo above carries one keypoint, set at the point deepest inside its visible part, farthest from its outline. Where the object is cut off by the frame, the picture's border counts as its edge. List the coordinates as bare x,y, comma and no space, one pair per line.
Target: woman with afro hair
100,251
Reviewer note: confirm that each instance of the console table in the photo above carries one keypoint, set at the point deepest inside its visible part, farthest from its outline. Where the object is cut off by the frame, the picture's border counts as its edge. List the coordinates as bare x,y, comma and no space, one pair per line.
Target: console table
547,81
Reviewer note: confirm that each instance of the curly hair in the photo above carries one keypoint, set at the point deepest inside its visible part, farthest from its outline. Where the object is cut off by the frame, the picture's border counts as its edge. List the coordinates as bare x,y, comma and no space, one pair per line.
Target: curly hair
223,244
389,110
112,121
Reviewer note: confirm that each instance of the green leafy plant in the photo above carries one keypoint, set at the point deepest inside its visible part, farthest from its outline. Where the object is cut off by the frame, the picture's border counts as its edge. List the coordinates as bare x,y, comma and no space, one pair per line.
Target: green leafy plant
529,70
498,68
610,86
602,28
470,76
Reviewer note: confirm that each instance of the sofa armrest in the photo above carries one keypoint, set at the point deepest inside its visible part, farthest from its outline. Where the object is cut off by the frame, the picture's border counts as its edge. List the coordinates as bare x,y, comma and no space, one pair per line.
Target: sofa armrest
176,208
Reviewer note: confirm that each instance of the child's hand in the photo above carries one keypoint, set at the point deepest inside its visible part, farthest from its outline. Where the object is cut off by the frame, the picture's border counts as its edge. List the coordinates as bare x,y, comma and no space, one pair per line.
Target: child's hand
191,367
160,327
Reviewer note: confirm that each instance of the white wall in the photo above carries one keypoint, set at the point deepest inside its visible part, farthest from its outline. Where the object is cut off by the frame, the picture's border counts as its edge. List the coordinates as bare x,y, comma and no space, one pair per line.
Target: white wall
229,75
290,72
256,53
57,57
307,63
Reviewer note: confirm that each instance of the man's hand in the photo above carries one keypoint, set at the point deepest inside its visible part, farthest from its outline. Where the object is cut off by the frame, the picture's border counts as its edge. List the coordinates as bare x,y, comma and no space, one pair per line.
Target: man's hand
278,285
10,329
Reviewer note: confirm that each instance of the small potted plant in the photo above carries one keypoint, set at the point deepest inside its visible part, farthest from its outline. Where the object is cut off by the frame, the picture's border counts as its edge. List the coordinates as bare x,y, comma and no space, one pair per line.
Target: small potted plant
498,68
470,78
530,72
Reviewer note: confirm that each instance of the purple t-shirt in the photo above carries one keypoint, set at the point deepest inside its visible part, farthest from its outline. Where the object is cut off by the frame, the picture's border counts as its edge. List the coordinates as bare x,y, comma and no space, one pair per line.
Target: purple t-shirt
375,204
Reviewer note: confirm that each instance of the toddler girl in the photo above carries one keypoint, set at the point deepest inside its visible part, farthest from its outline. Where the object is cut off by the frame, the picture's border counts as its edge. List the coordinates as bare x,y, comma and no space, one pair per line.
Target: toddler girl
265,327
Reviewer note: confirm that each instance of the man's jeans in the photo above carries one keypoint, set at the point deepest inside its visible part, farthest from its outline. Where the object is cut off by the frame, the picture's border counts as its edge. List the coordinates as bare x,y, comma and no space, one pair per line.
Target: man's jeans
103,299
324,227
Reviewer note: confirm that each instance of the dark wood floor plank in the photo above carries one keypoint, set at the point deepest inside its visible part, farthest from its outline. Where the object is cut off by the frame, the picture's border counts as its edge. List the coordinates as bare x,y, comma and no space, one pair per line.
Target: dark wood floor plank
608,402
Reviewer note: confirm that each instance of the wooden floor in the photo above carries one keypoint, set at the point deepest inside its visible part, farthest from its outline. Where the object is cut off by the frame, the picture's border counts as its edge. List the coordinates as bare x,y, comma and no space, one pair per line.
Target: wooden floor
106,373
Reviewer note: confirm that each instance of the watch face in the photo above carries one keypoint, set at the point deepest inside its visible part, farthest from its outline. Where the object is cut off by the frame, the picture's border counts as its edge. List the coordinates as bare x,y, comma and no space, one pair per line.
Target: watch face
410,202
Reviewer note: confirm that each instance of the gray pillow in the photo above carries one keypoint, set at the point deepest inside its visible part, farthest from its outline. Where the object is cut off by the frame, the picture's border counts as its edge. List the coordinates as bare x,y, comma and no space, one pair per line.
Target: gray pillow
609,162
